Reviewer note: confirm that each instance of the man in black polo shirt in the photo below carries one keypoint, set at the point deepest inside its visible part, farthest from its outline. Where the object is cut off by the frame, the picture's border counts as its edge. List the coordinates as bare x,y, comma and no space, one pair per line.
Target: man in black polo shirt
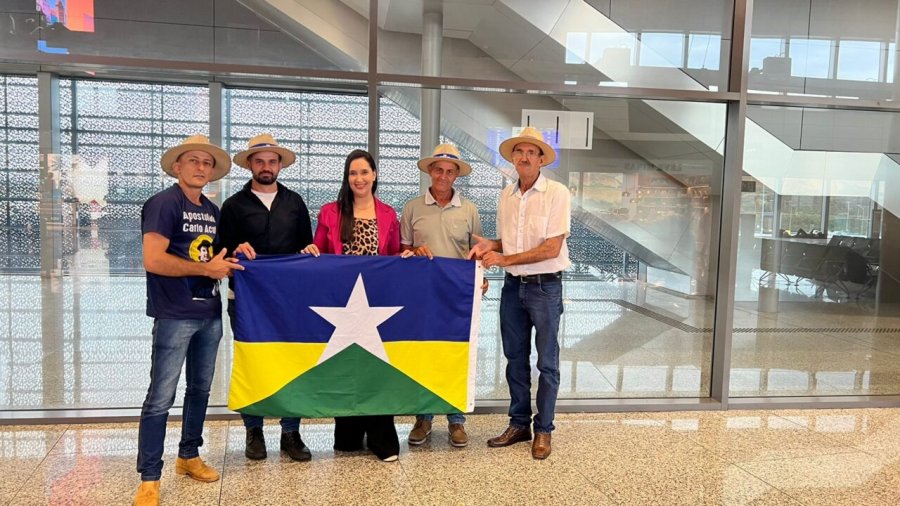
265,217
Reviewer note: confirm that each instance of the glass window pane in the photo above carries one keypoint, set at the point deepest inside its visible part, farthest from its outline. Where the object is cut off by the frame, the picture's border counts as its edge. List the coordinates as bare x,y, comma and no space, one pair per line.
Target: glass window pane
202,32
613,45
662,50
859,60
810,58
816,283
639,297
834,49
549,42
762,48
703,51
576,47
321,128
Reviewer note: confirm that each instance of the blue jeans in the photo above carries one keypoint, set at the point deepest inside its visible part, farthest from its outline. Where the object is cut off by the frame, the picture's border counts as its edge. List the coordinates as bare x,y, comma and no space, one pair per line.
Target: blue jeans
287,424
451,418
251,421
524,306
176,343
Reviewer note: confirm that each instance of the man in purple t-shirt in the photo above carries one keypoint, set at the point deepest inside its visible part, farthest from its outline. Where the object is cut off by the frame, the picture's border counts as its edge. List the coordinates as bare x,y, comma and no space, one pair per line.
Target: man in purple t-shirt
183,272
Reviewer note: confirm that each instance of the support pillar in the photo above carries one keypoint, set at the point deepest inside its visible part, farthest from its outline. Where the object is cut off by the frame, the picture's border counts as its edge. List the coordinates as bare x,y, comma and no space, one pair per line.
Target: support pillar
432,45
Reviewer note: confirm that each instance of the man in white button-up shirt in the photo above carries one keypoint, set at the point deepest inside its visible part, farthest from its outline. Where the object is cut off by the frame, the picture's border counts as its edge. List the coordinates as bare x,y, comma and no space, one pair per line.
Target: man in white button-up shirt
533,221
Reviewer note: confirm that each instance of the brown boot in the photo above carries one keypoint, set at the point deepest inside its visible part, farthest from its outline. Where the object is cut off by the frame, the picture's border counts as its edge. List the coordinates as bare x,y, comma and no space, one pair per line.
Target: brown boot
147,494
196,469
458,436
540,447
420,431
510,436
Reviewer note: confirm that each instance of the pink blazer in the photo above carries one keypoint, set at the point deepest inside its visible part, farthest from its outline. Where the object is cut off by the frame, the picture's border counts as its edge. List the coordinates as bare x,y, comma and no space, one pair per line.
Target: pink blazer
328,231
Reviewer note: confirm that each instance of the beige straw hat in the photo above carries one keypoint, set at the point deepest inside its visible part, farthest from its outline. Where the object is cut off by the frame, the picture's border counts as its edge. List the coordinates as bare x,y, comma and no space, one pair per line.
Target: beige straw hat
447,153
264,142
530,135
197,142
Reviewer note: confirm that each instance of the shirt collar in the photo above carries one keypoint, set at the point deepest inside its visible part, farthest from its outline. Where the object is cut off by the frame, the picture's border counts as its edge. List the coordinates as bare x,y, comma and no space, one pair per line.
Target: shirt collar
454,201
539,185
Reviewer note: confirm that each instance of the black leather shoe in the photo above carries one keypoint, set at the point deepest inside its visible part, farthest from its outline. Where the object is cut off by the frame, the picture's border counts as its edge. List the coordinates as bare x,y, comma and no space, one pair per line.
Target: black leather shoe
256,444
292,444
510,436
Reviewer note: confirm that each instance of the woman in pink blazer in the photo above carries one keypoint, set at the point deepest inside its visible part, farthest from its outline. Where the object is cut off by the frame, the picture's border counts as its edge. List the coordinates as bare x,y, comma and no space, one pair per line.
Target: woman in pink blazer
360,224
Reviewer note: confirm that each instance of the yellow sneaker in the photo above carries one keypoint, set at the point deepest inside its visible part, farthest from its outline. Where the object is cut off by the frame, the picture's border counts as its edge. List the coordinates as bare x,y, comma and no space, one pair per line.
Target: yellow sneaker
147,494
196,469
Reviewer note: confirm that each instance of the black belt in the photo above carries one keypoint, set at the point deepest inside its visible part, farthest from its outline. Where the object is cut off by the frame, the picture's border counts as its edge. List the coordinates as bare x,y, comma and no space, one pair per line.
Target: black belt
538,278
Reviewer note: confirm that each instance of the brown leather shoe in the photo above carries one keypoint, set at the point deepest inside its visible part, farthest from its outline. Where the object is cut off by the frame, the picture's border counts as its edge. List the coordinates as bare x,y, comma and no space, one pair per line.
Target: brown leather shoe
420,431
196,469
458,436
540,447
147,494
511,435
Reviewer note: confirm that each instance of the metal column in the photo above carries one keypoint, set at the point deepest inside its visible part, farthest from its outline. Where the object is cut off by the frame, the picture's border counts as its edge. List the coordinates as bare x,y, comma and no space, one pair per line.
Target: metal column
432,44
731,202
51,230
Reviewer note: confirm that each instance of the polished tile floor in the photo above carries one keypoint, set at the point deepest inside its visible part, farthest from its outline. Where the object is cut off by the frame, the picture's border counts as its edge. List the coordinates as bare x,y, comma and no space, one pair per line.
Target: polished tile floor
813,457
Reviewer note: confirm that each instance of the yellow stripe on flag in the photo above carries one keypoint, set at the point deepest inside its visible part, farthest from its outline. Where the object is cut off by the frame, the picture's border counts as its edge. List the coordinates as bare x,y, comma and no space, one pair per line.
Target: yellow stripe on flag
261,369
439,366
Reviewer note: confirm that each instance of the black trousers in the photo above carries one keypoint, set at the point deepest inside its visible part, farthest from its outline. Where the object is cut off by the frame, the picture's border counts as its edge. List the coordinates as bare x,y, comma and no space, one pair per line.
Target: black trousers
380,432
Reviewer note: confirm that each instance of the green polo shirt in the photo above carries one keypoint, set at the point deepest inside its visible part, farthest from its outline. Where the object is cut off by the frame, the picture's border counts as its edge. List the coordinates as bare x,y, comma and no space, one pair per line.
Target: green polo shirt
447,231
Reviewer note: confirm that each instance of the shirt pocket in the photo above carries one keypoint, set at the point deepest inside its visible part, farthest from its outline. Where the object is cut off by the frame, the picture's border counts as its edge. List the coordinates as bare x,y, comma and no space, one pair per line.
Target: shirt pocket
458,231
537,227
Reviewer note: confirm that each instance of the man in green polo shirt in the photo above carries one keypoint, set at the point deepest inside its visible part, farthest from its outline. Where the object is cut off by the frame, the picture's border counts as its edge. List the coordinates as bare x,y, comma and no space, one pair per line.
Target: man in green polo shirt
440,223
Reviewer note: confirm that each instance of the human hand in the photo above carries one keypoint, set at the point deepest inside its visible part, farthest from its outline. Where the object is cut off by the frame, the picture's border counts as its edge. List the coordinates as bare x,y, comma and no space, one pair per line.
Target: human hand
492,258
480,247
247,250
220,267
312,249
423,251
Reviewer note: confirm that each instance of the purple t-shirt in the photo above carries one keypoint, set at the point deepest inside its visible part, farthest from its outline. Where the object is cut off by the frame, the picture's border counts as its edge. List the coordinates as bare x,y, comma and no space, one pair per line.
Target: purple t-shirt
191,231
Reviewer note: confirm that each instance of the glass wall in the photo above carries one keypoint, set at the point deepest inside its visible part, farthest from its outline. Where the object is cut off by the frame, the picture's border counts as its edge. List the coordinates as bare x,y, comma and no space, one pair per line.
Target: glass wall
816,308
20,316
815,289
248,32
321,128
639,305
825,48
596,43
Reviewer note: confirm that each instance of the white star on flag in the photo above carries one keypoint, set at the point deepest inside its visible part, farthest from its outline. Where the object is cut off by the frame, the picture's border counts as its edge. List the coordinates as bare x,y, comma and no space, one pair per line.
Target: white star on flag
357,322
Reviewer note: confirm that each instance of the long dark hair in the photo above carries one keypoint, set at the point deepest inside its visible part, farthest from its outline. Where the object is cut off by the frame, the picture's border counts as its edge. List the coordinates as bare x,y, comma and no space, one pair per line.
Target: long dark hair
345,196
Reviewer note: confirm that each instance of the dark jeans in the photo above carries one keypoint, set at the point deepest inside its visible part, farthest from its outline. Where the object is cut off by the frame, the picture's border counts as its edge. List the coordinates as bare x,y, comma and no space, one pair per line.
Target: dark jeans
451,418
250,421
523,307
193,343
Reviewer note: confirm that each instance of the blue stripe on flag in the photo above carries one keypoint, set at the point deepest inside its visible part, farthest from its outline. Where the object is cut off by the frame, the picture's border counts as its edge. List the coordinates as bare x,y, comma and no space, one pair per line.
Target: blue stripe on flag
274,294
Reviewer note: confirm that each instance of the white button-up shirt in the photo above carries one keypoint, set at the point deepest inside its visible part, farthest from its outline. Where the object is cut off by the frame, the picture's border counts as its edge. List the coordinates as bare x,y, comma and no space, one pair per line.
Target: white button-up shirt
524,221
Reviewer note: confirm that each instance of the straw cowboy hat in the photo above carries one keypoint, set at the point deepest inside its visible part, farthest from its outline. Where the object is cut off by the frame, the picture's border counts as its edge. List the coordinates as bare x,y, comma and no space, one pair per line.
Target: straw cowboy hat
264,142
197,143
447,153
530,135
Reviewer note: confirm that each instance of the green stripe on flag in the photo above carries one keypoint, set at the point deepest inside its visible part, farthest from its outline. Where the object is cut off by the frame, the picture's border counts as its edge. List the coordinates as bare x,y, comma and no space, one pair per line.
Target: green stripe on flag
353,382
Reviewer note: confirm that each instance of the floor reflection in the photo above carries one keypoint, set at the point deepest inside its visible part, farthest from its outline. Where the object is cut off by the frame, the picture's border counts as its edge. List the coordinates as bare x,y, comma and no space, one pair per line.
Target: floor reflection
819,457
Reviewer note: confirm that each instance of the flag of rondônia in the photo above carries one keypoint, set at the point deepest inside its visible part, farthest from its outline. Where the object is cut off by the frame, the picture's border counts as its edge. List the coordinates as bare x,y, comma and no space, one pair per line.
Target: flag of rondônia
354,335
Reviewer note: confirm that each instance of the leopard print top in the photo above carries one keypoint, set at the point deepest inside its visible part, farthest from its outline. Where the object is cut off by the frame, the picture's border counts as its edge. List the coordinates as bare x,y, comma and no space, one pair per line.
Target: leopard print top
365,238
